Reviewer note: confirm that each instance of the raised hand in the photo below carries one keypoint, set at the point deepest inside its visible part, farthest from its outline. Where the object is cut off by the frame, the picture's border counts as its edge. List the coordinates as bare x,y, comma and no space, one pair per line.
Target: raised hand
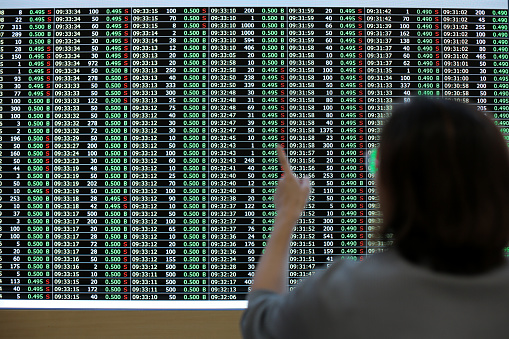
292,193
290,199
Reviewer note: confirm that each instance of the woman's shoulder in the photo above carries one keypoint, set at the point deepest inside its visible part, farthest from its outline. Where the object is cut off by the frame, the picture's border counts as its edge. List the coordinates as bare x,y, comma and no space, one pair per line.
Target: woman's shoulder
390,265
384,275
383,287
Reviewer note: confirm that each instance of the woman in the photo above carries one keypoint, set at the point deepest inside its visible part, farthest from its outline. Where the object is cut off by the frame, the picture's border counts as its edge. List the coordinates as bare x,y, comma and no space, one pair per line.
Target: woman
443,182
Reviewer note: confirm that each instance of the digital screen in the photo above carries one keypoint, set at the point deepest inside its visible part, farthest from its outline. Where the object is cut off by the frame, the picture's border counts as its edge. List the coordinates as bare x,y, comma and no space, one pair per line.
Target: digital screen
138,140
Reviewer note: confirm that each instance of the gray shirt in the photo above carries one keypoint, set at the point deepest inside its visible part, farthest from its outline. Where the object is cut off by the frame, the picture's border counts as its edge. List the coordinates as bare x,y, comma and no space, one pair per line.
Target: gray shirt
383,297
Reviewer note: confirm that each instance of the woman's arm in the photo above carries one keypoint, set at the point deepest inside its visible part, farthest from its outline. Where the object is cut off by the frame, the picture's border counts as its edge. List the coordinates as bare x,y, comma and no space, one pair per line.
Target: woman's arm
290,199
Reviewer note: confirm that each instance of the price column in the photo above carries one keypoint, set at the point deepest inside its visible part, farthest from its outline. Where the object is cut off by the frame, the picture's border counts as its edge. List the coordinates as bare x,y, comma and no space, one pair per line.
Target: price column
109,153
345,161
191,115
422,44
498,84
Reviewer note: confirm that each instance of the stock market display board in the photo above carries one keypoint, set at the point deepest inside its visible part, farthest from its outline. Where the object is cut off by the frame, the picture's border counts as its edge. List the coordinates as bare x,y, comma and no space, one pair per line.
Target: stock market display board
137,150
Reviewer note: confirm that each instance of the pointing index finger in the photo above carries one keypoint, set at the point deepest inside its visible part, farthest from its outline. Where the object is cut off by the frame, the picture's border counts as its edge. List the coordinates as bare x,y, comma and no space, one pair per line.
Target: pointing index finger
283,160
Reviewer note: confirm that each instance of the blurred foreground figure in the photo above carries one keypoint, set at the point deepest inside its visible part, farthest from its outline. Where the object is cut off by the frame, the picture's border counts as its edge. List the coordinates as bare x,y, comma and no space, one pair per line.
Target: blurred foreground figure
443,182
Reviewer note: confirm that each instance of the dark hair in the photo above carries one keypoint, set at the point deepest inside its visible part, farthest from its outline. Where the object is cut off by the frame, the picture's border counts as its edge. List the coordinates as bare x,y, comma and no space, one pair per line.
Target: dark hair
443,181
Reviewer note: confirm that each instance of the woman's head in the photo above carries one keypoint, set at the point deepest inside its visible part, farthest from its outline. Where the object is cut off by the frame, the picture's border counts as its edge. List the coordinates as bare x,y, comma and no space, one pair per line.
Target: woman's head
443,181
